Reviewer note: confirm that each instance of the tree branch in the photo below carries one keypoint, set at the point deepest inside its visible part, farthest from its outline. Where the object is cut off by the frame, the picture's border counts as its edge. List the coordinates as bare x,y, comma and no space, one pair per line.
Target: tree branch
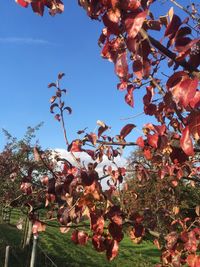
107,143
165,51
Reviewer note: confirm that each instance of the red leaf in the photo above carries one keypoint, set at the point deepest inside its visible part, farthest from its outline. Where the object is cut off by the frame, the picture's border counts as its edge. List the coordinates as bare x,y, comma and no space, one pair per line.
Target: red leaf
38,227
134,24
82,131
111,20
102,130
138,68
173,26
154,25
122,85
140,142
26,188
146,69
149,95
57,117
114,3
121,65
141,68
174,183
126,130
194,124
75,146
52,107
22,3
38,7
186,142
130,5
68,109
147,154
98,243
112,250
175,79
131,44
97,223
195,101
88,179
92,138
116,231
183,88
138,230
45,180
61,75
152,140
129,96
191,244
171,239
52,85
79,237
150,109
160,129
181,43
185,50
193,260
53,98
187,91
183,31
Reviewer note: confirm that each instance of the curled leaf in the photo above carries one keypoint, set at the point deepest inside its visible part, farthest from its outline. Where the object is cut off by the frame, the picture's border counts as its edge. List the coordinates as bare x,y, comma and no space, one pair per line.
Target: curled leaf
53,98
60,75
126,130
52,85
68,109
52,107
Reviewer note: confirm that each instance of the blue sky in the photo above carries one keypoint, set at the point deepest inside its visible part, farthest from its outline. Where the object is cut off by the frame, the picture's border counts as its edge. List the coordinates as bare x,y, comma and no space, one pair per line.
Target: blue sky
33,50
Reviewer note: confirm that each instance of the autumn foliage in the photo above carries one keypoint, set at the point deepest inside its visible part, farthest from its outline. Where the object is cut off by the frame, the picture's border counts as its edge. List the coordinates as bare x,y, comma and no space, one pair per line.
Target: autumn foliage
172,145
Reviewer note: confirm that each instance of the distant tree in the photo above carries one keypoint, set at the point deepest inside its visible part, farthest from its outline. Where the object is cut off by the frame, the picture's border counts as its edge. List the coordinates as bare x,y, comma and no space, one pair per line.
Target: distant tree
159,204
17,165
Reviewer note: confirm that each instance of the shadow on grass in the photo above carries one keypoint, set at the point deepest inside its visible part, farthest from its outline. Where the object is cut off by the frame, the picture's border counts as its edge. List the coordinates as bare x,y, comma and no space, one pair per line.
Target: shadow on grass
11,236
65,253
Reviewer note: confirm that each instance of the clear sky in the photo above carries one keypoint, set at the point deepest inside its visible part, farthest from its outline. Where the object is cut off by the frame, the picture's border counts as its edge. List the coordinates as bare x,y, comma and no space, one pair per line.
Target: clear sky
33,50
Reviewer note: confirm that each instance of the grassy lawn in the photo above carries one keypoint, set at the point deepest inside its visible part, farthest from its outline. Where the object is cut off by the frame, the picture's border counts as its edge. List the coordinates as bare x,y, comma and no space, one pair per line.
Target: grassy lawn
65,253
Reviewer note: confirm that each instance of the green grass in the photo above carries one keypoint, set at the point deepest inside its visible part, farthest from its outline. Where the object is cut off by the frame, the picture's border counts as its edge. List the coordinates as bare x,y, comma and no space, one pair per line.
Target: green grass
65,253
10,235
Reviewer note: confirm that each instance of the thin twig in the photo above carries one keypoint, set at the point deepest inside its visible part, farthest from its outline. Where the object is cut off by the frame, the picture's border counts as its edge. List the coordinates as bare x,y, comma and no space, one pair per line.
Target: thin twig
165,51
185,10
133,117
107,143
157,85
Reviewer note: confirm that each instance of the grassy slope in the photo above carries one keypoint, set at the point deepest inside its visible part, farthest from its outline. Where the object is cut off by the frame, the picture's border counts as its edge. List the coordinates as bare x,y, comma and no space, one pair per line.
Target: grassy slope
64,253
10,235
